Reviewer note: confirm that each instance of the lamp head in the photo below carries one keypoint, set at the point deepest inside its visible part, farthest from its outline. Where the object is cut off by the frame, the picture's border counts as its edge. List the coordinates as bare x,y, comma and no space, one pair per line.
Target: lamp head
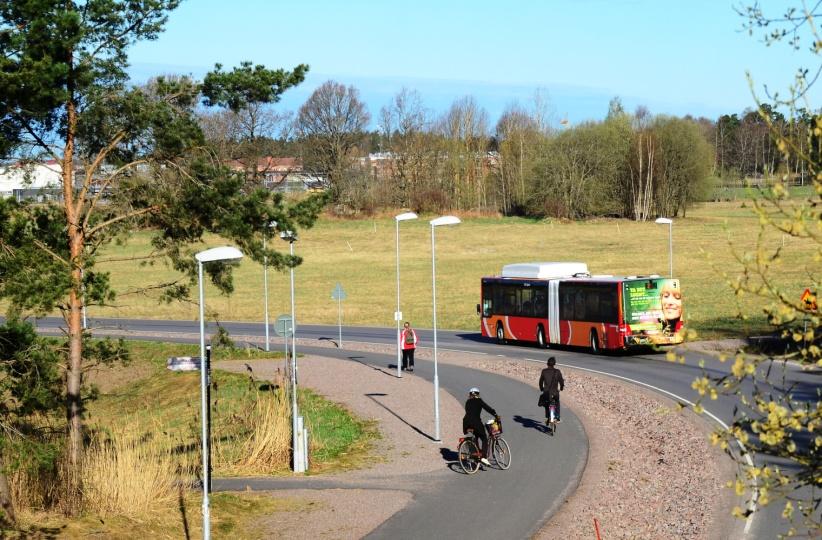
224,253
406,216
663,221
445,220
289,236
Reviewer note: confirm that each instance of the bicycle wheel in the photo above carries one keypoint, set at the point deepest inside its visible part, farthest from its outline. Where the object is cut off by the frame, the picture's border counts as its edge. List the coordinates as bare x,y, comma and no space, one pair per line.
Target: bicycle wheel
502,453
468,456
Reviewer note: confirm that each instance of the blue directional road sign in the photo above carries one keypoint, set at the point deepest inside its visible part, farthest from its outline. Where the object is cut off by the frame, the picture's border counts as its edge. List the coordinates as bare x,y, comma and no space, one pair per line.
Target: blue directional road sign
338,293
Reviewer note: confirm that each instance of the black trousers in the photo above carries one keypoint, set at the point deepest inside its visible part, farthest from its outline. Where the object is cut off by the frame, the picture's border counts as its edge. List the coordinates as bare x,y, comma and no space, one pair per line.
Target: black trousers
407,358
479,433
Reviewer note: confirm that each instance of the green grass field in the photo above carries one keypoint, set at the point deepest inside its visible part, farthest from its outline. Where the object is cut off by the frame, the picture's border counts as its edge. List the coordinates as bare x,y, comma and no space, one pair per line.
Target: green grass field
360,255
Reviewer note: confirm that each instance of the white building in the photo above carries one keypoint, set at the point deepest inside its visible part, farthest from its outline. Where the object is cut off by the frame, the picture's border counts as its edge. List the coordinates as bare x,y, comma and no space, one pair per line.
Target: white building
22,180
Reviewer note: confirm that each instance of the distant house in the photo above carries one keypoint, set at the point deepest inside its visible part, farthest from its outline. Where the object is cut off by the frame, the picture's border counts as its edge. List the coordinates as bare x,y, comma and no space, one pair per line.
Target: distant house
300,182
380,165
283,174
274,170
41,181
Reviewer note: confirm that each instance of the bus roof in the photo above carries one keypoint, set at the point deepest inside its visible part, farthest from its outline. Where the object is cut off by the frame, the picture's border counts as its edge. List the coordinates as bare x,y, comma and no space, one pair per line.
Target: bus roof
545,270
577,279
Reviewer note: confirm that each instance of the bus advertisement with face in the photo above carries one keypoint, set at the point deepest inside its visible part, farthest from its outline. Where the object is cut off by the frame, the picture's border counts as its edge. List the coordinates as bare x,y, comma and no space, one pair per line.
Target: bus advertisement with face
653,311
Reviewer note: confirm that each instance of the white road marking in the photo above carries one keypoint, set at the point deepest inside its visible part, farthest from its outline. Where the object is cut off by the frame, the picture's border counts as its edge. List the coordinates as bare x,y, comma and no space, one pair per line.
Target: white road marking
752,506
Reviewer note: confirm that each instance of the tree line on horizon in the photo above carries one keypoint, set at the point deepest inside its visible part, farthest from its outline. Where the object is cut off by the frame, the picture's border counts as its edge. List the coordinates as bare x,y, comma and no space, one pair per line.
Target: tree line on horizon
632,165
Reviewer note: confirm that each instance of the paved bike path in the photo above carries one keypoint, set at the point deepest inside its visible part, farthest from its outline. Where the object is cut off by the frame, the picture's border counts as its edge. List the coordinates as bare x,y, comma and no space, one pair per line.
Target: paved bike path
493,503
450,504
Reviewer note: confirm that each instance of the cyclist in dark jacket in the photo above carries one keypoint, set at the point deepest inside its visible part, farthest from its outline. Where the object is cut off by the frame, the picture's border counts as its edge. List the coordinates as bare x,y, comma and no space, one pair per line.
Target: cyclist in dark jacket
473,419
550,383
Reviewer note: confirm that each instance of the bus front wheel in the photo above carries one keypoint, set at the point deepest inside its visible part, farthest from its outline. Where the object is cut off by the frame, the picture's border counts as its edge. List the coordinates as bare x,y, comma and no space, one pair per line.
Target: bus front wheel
500,333
595,343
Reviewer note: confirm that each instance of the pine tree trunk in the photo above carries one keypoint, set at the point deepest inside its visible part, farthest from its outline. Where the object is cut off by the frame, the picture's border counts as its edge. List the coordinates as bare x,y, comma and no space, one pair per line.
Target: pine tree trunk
76,244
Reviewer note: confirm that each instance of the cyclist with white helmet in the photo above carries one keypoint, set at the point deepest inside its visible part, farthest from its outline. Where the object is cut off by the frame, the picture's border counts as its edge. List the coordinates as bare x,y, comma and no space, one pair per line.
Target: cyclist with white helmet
473,420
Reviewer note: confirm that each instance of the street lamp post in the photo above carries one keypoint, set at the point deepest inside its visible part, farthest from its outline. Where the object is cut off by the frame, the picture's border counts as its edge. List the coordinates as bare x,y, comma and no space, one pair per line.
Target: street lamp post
670,224
444,220
271,225
398,313
298,458
225,253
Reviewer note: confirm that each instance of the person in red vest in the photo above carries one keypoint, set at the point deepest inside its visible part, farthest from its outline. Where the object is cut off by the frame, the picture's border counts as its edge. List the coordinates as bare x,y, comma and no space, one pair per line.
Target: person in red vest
408,338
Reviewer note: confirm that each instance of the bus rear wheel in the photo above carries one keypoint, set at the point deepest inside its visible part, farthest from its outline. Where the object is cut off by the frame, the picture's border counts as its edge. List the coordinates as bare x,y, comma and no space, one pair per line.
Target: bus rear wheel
595,343
500,333
541,338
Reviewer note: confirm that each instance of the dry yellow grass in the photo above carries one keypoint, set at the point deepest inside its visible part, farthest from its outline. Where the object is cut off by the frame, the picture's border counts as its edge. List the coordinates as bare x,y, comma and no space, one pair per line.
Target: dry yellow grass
360,255
130,472
267,446
134,471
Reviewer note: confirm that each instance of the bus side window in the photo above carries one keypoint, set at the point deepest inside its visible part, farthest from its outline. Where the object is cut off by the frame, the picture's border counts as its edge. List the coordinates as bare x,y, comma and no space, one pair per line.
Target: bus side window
526,308
513,304
592,305
510,305
567,308
540,306
579,305
497,300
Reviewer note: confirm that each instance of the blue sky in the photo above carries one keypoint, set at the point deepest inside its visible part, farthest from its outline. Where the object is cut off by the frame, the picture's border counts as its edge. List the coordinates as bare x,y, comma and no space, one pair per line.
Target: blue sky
675,57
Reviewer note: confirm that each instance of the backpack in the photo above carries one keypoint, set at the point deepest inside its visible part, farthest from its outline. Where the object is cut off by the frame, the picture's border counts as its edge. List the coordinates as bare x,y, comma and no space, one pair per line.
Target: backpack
409,337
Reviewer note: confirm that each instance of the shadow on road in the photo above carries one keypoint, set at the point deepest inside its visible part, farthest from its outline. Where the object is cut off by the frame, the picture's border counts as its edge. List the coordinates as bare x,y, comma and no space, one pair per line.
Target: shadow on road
453,460
530,423
449,455
373,397
475,337
375,368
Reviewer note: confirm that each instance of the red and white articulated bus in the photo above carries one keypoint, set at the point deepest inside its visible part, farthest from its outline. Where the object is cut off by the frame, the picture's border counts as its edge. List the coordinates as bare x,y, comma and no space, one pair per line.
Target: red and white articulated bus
561,303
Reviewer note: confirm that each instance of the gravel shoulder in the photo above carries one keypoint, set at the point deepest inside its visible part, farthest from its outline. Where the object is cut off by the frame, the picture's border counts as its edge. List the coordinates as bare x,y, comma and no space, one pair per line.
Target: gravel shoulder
651,472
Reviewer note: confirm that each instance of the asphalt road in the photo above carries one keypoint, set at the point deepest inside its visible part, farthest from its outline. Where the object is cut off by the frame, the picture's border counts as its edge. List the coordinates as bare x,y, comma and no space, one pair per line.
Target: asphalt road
651,370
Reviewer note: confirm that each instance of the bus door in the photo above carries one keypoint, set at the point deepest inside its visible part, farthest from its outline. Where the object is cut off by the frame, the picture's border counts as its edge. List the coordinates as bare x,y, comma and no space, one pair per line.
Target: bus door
553,311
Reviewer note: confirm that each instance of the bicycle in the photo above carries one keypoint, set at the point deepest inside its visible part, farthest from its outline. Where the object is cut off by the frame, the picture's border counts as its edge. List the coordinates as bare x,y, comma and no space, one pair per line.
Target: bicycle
552,417
499,448
469,452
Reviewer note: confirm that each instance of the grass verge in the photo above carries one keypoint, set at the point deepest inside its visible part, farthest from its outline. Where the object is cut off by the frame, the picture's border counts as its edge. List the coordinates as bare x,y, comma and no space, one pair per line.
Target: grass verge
144,443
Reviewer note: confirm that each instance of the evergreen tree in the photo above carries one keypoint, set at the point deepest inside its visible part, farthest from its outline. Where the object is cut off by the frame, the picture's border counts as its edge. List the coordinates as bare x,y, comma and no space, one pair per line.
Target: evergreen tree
130,159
